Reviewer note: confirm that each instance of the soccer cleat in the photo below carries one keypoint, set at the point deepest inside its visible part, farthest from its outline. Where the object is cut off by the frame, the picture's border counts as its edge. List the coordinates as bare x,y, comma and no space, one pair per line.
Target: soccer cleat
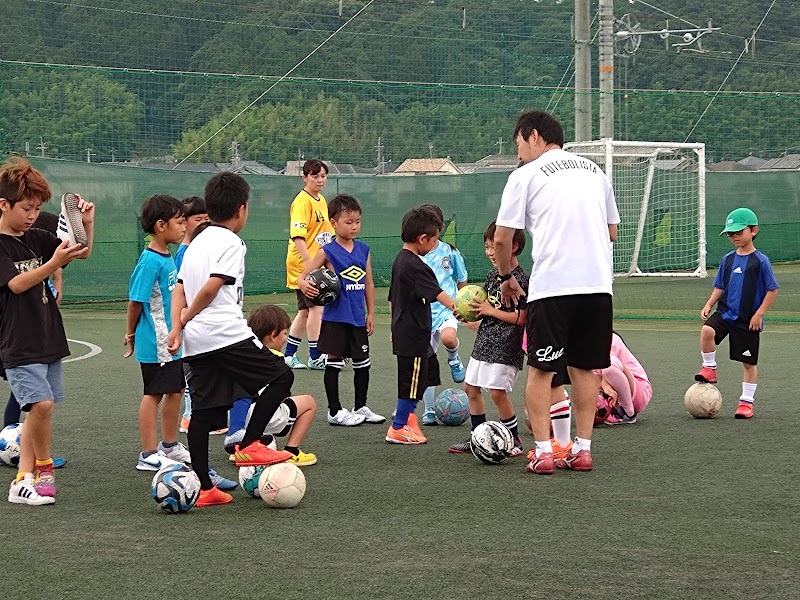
178,452
317,364
59,461
516,450
230,441
413,423
369,416
618,416
706,375
213,497
404,435
580,461
457,370
70,224
257,454
24,492
154,462
184,426
346,418
222,431
220,482
294,363
461,448
303,459
543,465
429,418
744,410
45,481
558,450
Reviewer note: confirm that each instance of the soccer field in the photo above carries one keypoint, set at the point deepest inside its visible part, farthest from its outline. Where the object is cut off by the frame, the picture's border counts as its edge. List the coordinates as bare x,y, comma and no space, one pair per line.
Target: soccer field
675,507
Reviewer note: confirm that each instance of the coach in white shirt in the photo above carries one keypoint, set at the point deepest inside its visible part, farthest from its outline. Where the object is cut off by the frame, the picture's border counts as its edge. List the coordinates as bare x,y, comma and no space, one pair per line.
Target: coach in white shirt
567,204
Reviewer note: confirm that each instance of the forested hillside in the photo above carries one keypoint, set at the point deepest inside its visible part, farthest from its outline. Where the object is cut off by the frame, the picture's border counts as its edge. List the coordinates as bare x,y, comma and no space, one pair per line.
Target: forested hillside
418,74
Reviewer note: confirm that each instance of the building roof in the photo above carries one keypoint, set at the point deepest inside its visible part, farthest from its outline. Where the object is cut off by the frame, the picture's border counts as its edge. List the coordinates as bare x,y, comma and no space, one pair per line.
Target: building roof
427,165
730,165
790,161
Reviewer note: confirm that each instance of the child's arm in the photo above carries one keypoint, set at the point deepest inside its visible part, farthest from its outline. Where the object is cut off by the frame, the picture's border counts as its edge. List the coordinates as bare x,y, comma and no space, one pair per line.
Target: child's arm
445,299
758,317
204,297
712,300
63,255
302,249
134,314
320,259
485,309
369,297
178,306
87,218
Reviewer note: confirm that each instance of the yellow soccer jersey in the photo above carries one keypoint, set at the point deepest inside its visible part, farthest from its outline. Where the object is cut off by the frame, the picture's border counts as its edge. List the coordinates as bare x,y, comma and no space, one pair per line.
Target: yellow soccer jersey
308,219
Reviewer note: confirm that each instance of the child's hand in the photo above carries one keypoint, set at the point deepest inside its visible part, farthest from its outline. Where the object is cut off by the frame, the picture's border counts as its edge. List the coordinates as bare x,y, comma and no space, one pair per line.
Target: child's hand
86,208
705,312
609,392
65,254
128,342
756,322
308,288
174,342
482,309
370,325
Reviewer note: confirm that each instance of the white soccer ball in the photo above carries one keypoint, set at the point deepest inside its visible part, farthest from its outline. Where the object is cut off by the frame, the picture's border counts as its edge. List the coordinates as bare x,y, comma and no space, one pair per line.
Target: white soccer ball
248,479
702,400
175,488
9,444
282,485
491,442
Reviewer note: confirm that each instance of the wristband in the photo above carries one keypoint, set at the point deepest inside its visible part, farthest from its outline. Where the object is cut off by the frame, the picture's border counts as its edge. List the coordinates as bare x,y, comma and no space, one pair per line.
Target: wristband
502,278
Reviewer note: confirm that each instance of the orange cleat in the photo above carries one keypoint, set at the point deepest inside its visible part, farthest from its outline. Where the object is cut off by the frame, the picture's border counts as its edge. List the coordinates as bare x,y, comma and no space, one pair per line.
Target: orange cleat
257,454
558,451
581,461
706,375
413,423
744,410
212,497
405,435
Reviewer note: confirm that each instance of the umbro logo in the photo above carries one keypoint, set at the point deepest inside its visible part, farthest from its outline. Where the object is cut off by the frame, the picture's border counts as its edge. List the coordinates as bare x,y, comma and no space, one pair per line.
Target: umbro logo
353,273
737,270
746,353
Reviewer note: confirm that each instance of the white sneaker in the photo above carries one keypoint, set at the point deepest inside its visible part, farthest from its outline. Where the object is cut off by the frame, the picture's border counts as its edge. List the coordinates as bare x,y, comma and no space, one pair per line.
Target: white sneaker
178,452
346,418
317,364
23,492
70,224
369,416
293,362
154,462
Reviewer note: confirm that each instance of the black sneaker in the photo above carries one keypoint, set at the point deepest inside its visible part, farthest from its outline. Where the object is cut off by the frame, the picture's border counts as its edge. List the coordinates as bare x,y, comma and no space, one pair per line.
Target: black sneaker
462,448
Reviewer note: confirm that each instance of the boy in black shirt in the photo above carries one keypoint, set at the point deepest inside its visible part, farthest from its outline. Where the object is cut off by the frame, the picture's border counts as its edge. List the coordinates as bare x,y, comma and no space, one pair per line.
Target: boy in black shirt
411,291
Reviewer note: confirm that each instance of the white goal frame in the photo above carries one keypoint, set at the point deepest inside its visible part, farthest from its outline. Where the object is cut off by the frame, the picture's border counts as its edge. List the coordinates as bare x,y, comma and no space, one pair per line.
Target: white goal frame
609,153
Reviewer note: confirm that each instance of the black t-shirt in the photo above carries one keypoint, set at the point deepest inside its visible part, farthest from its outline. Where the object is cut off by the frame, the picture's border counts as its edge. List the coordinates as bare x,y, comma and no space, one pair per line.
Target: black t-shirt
499,342
411,292
31,329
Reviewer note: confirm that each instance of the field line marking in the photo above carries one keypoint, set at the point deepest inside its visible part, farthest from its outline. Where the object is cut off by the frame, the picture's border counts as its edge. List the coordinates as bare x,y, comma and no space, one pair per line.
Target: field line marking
94,350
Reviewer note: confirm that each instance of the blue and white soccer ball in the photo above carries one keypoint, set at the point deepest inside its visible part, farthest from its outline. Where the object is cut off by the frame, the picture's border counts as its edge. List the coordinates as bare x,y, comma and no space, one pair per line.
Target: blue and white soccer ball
9,444
248,479
175,488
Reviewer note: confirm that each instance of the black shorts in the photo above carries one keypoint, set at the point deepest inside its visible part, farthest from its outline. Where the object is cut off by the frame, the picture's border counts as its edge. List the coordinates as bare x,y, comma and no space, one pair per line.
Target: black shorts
433,378
343,340
570,331
303,303
163,379
743,344
245,363
412,376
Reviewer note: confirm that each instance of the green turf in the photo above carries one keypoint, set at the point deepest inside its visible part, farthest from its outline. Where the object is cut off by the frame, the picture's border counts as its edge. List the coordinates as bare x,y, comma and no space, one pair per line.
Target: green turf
675,508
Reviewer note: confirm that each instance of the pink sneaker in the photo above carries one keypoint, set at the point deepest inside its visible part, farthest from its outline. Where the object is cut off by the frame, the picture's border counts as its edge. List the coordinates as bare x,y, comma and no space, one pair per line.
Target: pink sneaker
706,375
544,465
45,483
582,461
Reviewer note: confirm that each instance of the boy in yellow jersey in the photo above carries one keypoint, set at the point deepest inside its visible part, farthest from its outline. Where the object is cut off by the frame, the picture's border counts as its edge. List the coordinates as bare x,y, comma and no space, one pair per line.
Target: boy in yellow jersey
309,230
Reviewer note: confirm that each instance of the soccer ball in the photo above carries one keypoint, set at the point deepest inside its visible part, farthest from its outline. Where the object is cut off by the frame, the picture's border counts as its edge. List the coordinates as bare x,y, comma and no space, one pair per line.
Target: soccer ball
703,400
328,285
248,479
463,301
452,406
602,411
175,488
491,442
9,444
282,485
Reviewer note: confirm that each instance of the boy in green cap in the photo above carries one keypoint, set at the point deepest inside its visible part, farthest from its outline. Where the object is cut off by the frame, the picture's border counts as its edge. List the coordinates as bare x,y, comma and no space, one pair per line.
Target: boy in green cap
744,289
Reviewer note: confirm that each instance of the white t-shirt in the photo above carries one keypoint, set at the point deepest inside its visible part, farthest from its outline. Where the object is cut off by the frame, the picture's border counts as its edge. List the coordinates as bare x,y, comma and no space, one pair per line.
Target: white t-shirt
216,251
566,203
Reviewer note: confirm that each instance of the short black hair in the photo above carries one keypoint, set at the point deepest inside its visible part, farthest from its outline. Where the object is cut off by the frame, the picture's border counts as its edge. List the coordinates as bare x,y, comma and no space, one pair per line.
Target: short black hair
435,208
519,237
159,208
225,193
545,123
314,166
422,220
268,319
342,203
194,205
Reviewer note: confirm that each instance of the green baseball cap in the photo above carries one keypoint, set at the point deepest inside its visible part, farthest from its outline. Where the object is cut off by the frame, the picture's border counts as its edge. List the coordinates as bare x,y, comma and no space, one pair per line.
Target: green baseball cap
738,219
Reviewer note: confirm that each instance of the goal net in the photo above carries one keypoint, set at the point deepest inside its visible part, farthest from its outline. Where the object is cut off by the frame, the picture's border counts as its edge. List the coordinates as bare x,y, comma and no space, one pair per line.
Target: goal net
660,192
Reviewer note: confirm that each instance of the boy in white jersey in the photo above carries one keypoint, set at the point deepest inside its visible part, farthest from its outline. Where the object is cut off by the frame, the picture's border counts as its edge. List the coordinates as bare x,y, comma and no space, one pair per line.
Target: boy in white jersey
217,343
451,273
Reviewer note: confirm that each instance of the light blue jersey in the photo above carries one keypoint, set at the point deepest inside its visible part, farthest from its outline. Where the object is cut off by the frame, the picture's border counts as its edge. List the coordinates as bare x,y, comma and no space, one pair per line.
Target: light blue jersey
448,266
152,283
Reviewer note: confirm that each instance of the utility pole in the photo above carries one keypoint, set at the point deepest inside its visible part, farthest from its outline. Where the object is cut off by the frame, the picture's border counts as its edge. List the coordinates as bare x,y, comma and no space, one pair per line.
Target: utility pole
499,143
583,72
607,69
41,146
379,148
89,155
430,149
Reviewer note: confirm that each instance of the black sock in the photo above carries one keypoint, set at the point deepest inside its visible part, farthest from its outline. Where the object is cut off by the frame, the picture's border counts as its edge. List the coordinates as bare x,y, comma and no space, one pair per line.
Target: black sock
476,420
331,380
361,385
293,449
199,429
511,423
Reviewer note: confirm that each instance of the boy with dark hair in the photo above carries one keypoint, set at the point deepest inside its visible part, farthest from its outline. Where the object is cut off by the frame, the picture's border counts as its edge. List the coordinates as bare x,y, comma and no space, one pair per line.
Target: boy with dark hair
309,230
347,322
217,342
412,289
744,289
32,337
149,323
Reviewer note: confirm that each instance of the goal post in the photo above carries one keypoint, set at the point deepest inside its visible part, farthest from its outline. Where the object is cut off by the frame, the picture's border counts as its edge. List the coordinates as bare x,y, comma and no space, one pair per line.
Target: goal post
661,197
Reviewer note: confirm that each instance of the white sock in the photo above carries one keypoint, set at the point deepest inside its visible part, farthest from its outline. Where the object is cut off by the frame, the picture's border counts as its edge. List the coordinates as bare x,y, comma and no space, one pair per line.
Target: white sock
581,444
748,392
710,359
428,397
542,447
452,353
561,418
